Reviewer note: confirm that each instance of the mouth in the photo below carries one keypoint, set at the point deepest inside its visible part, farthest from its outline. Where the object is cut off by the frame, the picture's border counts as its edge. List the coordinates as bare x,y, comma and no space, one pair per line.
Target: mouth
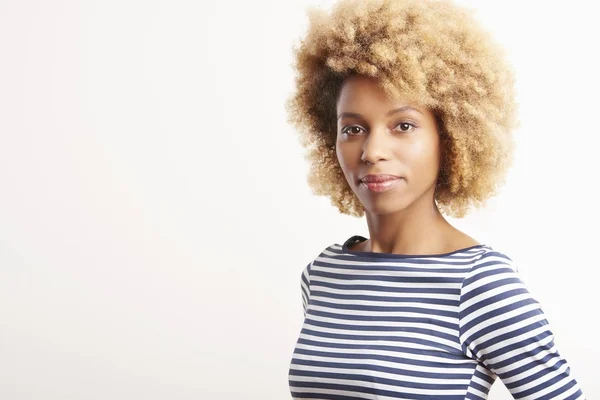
375,178
381,185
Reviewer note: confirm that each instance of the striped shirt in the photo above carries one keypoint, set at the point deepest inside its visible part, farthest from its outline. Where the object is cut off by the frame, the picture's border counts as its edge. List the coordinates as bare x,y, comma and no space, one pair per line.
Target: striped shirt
444,326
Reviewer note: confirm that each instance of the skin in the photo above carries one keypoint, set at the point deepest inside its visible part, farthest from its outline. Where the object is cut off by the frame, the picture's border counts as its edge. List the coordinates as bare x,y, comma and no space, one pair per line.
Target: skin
405,219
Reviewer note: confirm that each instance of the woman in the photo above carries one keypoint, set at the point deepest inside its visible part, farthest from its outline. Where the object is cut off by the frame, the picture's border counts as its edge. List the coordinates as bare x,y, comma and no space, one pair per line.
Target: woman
406,108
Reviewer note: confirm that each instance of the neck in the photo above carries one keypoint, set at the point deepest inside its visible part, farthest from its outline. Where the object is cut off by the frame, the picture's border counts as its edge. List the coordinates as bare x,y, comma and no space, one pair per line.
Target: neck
417,229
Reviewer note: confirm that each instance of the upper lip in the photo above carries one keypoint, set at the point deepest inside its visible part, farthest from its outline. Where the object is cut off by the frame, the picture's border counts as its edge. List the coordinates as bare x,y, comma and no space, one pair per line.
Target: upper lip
378,178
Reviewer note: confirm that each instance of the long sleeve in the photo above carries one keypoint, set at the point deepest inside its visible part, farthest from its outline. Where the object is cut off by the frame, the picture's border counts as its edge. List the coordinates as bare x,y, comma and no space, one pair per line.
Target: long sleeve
502,326
305,287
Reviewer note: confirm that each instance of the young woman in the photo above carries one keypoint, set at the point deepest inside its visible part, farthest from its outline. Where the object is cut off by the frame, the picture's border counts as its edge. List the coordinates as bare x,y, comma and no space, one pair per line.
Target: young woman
406,108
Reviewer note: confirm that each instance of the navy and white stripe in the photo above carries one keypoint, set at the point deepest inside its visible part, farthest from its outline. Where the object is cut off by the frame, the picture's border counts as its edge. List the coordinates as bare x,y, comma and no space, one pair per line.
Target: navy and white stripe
392,326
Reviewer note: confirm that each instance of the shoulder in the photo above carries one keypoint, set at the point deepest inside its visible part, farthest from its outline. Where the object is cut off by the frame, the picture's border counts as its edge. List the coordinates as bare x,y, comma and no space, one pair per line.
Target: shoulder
324,253
492,259
493,278
491,269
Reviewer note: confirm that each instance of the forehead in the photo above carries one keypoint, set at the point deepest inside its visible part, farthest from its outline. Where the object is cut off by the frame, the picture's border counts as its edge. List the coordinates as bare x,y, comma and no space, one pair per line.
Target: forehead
364,93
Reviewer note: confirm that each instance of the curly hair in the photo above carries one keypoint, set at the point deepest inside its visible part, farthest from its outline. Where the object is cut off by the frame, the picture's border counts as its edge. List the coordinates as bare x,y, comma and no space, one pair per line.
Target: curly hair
430,52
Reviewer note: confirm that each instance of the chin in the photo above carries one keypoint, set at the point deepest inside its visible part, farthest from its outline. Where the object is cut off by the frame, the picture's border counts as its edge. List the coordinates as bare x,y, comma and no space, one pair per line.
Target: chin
382,207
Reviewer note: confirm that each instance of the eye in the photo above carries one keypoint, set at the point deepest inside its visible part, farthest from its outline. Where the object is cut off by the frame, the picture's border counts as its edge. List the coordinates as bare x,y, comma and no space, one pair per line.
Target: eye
349,127
405,124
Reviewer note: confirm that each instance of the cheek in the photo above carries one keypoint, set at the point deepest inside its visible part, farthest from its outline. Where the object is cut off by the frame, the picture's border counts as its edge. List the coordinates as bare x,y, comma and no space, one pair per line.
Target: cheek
345,160
430,161
339,157
420,158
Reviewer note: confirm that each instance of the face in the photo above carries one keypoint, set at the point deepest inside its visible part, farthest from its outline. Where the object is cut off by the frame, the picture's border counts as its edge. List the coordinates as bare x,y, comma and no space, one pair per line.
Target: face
378,135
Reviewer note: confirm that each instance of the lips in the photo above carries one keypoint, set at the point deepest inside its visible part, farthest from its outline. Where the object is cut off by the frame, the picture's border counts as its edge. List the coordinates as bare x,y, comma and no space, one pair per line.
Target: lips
379,178
384,186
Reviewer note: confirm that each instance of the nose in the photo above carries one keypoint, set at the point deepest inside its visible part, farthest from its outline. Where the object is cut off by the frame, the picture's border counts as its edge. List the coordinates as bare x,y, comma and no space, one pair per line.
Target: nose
375,146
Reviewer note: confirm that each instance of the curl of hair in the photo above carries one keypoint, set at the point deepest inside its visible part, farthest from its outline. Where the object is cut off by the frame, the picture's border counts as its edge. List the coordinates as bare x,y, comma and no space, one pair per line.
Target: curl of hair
430,52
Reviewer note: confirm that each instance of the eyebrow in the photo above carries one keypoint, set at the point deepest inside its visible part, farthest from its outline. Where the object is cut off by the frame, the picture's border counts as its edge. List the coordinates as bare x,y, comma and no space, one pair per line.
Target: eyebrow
394,111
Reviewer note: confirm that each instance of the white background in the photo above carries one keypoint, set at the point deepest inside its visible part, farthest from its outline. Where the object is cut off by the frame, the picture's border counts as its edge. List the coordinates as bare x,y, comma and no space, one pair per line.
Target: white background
154,215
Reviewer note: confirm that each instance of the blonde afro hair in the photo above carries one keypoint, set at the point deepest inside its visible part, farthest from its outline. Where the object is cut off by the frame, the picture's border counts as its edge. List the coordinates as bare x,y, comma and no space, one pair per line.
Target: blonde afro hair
430,52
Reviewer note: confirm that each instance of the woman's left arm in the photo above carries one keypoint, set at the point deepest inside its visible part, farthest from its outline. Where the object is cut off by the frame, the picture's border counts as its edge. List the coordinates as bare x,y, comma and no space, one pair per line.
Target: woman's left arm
504,327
